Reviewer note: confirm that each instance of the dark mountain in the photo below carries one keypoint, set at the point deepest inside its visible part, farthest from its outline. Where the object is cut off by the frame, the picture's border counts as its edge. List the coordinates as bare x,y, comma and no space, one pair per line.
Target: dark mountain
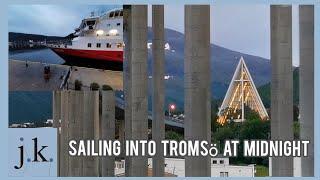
223,64
13,36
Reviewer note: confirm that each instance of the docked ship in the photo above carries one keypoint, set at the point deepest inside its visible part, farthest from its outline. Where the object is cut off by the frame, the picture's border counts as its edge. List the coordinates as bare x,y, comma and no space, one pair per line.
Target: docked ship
97,39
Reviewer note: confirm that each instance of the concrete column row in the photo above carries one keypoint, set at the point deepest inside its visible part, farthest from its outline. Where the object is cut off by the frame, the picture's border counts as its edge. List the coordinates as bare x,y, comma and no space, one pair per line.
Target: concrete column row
282,84
197,78
79,114
197,83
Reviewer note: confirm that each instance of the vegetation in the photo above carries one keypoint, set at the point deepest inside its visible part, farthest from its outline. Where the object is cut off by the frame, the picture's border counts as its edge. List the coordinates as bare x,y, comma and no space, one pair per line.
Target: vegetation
94,86
261,171
172,135
106,88
252,128
296,130
77,85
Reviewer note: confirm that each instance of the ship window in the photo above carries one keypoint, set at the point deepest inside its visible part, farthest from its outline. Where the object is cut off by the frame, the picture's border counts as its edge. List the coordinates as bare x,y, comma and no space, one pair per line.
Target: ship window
91,23
98,45
111,14
221,162
118,24
117,13
121,13
108,45
89,44
108,25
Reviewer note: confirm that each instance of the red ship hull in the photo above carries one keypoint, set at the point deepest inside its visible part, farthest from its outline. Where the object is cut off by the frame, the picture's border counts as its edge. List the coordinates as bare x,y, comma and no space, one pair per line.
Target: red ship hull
96,55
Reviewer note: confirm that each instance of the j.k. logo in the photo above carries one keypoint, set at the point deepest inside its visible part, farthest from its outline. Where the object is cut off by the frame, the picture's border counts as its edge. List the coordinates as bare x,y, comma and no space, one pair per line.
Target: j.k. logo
32,152
36,153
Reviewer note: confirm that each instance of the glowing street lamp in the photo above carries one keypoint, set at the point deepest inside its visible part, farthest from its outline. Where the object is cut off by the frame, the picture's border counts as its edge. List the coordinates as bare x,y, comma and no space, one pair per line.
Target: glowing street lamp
172,107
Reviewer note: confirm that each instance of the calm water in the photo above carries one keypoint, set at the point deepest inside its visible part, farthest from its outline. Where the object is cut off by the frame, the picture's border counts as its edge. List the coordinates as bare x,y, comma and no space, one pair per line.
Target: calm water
37,55
30,106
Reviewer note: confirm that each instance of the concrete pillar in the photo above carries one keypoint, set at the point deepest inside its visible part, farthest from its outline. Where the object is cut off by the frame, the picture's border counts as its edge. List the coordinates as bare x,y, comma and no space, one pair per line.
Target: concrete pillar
107,129
158,127
64,156
56,111
73,162
281,84
197,101
306,29
90,131
75,129
122,136
135,83
56,114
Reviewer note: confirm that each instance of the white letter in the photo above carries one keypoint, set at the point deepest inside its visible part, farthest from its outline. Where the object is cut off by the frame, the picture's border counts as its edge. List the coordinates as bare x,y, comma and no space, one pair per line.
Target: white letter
74,152
249,150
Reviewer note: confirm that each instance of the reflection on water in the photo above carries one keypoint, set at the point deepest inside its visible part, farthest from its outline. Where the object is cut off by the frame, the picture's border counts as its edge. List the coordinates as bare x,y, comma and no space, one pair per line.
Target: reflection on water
37,55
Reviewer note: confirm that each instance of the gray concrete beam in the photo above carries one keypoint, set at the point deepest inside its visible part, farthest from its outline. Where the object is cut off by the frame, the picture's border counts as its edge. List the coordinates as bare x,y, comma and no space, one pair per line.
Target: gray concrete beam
197,101
135,83
281,84
107,128
75,129
306,29
64,137
56,114
158,128
90,131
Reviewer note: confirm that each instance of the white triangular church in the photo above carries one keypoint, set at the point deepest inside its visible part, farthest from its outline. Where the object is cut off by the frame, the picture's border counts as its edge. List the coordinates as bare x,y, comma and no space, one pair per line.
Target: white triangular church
241,93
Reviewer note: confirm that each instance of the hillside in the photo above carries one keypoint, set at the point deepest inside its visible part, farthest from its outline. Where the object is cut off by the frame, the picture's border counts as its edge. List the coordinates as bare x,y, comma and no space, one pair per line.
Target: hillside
13,36
223,64
265,90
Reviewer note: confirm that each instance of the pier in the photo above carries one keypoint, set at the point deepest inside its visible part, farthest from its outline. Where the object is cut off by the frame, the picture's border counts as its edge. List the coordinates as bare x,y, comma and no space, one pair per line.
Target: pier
29,76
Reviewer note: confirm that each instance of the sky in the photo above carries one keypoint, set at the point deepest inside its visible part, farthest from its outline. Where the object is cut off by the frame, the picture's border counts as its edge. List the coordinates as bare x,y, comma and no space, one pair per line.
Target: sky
242,27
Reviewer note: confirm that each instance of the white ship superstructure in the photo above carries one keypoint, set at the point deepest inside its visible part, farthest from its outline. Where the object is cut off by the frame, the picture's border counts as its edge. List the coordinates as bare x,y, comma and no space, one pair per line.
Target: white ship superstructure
97,38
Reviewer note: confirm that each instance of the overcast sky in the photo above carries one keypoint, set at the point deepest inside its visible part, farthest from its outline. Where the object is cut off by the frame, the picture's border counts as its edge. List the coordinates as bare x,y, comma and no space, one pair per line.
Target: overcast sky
244,28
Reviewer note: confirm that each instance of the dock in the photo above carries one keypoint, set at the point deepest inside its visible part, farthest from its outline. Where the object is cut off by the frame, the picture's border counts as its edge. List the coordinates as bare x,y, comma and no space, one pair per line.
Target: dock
29,76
